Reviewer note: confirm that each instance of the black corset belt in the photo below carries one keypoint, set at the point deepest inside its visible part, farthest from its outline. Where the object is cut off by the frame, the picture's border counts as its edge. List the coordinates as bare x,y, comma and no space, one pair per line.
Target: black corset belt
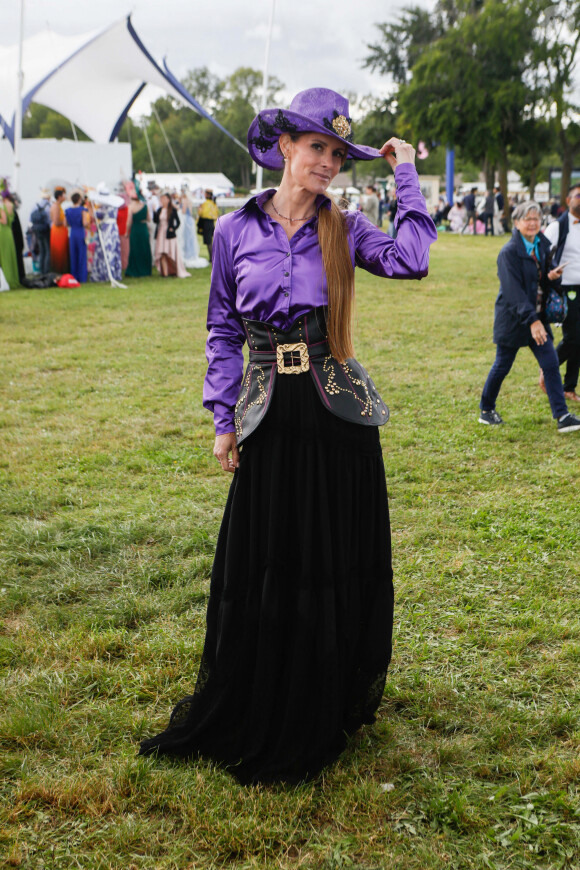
345,389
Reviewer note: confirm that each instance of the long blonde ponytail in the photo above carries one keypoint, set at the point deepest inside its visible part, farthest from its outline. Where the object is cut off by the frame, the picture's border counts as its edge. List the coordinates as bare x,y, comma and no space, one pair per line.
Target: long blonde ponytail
333,241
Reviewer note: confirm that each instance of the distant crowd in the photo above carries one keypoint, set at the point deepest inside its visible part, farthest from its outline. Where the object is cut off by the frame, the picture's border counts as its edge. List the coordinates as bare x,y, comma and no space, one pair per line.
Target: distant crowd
100,235
484,213
380,206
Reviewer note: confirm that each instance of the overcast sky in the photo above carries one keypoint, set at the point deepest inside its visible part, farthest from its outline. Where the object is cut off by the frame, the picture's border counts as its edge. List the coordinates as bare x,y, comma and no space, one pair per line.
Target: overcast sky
314,42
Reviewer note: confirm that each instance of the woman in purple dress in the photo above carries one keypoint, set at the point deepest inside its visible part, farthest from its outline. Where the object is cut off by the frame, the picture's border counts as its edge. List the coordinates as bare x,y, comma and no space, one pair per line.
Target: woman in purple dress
300,612
77,217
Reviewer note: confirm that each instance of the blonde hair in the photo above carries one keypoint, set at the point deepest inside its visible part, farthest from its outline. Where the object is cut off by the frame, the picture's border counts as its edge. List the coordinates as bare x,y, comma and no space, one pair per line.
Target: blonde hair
336,259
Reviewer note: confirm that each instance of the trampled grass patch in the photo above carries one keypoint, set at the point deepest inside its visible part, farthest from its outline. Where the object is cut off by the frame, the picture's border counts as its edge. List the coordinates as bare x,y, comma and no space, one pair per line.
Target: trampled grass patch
111,503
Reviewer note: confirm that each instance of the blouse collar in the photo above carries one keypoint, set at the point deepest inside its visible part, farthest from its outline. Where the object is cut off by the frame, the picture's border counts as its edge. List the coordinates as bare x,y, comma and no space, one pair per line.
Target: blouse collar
262,198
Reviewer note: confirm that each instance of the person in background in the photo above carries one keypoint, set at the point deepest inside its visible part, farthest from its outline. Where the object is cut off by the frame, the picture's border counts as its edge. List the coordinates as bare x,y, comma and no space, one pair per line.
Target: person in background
18,237
525,278
189,237
92,236
564,235
370,205
153,200
469,205
122,218
488,212
40,222
500,214
107,257
59,260
383,203
441,213
207,216
77,218
140,259
392,212
153,204
457,217
8,258
168,260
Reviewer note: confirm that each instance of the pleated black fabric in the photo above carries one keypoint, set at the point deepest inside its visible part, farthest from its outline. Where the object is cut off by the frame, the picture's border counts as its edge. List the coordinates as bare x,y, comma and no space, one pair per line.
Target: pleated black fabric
299,618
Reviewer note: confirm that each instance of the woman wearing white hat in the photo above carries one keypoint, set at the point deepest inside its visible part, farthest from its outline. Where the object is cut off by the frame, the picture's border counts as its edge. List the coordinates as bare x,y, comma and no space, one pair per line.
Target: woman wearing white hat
108,242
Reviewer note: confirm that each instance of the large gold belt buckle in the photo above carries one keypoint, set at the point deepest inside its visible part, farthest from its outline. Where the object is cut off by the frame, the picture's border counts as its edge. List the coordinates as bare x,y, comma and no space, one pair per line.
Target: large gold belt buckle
292,359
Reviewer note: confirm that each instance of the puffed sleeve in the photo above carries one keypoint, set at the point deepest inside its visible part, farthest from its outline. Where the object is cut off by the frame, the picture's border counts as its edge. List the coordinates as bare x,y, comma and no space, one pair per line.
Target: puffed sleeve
225,340
407,256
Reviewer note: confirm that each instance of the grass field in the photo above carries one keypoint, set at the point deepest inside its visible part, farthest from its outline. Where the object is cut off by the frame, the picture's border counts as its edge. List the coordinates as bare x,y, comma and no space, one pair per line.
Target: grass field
111,502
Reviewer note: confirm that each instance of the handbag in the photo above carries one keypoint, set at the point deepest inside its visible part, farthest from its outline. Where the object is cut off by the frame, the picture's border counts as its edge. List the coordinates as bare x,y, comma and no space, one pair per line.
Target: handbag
556,307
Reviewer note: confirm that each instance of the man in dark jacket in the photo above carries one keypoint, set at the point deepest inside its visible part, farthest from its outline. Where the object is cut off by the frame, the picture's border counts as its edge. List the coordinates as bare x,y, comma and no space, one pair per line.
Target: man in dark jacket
488,212
525,277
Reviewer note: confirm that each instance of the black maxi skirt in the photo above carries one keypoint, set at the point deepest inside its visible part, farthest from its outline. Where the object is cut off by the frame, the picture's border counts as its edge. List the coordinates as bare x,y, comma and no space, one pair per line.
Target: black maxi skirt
300,613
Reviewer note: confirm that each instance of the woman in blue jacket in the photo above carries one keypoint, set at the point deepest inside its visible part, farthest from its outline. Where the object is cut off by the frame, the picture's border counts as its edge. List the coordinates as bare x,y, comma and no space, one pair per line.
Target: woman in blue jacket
525,277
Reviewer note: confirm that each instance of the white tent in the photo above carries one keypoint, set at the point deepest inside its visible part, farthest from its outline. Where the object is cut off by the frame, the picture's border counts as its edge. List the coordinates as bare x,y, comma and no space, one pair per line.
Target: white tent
92,79
48,162
196,182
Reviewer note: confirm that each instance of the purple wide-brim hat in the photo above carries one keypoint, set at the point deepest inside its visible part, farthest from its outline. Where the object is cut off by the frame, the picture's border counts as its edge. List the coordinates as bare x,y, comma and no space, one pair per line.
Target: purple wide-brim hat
317,110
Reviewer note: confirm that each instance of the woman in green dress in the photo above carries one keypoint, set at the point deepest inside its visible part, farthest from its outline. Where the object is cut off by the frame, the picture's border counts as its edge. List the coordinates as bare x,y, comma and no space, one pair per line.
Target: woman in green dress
8,259
140,260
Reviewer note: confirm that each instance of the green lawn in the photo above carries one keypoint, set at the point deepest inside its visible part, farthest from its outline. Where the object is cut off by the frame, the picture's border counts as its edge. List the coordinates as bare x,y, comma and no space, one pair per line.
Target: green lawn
111,502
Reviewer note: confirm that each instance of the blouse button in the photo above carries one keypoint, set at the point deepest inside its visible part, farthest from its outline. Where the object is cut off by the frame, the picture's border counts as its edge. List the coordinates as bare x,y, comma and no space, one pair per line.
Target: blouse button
286,274
286,294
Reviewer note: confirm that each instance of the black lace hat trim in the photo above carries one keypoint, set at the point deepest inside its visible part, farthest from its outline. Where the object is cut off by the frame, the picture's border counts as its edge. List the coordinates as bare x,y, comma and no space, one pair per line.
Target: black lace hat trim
270,132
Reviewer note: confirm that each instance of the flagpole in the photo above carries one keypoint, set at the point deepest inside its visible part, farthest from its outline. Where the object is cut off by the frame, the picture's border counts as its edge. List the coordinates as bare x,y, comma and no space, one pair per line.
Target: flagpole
259,171
18,112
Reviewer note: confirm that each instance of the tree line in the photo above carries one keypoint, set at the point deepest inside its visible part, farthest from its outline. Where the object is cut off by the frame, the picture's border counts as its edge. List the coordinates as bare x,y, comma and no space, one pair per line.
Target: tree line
494,78
491,78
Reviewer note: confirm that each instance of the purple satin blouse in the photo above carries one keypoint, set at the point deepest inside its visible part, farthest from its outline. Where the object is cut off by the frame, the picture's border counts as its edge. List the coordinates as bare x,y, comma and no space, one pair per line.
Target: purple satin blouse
258,274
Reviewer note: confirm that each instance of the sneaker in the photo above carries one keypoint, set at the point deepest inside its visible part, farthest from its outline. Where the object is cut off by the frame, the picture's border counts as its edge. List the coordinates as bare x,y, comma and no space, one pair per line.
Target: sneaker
568,423
490,418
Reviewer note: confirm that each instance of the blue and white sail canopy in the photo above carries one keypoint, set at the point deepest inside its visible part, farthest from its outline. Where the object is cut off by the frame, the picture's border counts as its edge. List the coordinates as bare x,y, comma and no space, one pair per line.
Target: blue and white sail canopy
92,79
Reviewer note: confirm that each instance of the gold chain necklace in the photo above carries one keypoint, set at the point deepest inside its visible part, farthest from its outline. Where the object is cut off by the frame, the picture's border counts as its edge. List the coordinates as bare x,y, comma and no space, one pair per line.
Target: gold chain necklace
292,220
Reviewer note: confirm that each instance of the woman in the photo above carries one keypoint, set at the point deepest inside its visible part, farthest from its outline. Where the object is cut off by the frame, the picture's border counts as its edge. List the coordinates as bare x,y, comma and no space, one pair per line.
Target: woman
140,260
191,256
207,216
106,261
122,221
168,260
525,278
300,612
92,236
77,217
8,255
457,217
59,261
